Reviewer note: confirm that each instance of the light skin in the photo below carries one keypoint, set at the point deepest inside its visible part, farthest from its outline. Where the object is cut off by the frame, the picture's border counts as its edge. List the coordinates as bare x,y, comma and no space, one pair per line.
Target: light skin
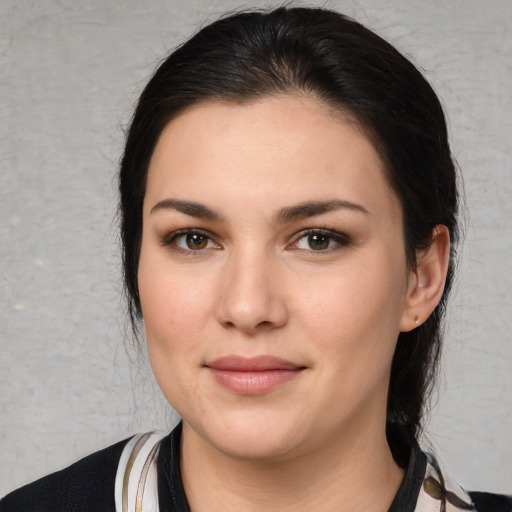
280,237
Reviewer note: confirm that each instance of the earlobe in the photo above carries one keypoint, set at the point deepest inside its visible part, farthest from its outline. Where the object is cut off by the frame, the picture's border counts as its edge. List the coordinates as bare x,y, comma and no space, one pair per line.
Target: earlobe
426,283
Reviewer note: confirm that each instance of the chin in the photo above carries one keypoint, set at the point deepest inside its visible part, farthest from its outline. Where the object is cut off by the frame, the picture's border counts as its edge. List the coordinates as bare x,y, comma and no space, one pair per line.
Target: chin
255,435
257,447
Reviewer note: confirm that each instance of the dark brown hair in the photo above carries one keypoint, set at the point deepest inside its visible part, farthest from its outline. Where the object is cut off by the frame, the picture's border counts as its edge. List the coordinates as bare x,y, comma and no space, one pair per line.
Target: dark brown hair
322,53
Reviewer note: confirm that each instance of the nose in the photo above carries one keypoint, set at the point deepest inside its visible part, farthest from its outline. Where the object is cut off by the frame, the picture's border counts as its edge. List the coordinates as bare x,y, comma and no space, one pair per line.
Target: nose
252,295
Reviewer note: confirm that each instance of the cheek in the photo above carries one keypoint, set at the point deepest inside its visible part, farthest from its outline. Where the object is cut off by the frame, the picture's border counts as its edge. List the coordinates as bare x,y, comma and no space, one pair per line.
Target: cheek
172,297
354,315
170,322
174,309
357,298
353,327
172,312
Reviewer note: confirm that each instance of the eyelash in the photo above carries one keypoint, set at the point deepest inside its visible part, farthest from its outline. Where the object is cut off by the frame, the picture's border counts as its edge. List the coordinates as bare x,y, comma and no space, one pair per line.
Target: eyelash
169,240
340,239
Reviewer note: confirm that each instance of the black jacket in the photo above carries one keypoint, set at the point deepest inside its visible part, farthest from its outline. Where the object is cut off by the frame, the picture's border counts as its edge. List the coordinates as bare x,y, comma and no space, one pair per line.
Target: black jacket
88,485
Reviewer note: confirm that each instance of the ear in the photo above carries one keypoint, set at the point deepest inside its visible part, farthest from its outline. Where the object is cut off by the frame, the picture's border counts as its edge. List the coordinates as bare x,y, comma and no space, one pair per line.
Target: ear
426,282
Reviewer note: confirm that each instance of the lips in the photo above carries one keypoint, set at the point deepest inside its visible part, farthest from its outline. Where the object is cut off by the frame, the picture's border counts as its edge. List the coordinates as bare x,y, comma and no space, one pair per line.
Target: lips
253,376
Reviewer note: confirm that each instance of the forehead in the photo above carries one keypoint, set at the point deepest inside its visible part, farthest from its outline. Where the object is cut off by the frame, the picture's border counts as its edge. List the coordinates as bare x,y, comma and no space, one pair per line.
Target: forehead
277,149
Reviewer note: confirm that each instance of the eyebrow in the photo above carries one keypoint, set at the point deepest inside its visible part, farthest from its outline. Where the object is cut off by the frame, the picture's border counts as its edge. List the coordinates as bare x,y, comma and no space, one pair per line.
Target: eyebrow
287,214
312,208
188,208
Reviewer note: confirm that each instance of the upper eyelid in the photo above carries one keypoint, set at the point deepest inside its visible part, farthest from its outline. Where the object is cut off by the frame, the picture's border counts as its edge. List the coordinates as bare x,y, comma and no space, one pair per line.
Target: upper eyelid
167,238
324,231
333,233
340,238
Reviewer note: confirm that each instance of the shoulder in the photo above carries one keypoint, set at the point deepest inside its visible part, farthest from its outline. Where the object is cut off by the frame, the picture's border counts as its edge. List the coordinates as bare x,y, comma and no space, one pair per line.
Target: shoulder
426,487
438,486
488,502
86,486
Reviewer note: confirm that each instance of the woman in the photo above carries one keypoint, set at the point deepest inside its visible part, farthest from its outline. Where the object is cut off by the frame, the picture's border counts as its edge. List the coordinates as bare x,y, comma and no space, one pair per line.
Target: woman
289,220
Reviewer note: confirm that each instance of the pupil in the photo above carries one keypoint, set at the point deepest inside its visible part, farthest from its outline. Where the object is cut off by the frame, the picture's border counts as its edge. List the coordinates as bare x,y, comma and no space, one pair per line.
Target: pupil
196,241
318,242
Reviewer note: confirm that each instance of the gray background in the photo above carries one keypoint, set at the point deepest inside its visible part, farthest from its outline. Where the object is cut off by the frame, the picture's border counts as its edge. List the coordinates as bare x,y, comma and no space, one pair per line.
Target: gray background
71,72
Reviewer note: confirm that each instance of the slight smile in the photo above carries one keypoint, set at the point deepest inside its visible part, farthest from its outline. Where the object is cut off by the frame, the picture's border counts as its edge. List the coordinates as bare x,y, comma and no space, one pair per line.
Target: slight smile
253,376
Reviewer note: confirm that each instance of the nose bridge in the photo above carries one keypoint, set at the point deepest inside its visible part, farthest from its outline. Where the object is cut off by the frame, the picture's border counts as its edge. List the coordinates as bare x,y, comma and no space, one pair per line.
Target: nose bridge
250,299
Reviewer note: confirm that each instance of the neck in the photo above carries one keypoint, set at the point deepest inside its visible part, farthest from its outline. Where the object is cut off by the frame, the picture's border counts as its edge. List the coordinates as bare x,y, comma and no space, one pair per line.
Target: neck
355,473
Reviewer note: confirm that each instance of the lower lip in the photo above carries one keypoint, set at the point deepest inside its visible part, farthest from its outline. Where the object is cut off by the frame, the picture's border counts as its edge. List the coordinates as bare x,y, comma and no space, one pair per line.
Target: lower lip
253,382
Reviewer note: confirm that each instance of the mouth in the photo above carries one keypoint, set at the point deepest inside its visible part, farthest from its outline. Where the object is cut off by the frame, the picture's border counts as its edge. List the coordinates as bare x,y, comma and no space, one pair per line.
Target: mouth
253,376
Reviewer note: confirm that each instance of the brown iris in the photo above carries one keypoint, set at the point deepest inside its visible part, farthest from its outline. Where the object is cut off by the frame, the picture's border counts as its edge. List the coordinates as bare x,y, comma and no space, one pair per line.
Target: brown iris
196,241
318,241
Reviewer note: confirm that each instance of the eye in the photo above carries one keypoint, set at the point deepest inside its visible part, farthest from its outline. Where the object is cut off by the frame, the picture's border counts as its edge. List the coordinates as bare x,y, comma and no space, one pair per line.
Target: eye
190,241
320,240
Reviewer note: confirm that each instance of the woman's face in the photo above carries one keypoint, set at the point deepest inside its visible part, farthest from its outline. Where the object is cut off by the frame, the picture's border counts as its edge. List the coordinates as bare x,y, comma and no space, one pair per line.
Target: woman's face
272,276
